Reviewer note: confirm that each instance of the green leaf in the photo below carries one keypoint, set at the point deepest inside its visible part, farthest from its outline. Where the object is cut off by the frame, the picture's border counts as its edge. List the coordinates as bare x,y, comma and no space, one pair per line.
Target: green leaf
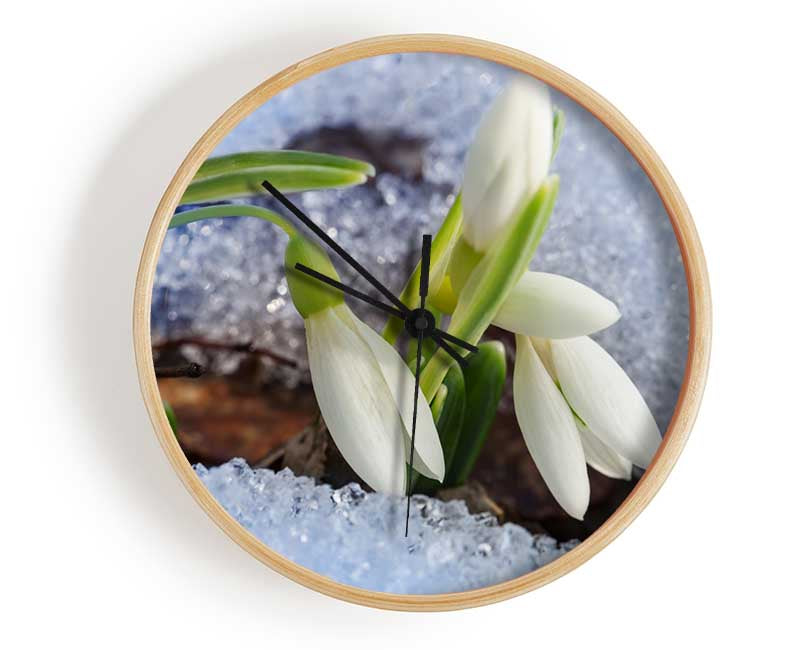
250,160
493,278
448,413
441,248
240,174
231,210
287,178
484,379
171,417
559,121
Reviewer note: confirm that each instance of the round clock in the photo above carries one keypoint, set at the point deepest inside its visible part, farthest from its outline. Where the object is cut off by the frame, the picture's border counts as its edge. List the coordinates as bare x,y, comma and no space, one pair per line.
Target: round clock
422,322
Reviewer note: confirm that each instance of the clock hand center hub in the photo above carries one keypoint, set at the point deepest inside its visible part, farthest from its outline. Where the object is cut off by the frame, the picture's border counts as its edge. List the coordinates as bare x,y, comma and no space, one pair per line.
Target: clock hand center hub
420,321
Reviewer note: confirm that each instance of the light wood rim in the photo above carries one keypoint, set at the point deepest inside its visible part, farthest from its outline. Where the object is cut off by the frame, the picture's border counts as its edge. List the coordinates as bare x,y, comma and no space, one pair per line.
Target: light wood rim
696,277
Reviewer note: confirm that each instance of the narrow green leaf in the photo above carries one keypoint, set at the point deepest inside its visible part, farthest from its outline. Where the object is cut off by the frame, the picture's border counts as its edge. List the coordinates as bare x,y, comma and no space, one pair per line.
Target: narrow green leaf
248,160
441,248
448,413
484,379
493,278
231,210
451,412
287,178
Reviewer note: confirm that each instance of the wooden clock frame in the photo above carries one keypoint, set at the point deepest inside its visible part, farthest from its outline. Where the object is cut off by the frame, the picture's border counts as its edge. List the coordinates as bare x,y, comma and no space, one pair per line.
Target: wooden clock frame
696,279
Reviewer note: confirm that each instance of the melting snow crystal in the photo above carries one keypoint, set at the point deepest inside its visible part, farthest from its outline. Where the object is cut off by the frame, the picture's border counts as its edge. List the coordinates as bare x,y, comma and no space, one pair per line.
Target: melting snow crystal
357,538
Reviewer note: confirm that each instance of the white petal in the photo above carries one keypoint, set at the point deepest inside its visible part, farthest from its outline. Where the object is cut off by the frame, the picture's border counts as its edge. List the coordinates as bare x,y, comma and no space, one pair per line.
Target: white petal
429,457
537,142
602,458
556,307
507,160
606,399
542,347
495,207
550,433
355,402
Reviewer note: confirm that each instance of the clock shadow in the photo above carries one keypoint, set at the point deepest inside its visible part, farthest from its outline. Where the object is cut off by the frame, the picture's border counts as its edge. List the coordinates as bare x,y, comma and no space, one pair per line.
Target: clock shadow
92,302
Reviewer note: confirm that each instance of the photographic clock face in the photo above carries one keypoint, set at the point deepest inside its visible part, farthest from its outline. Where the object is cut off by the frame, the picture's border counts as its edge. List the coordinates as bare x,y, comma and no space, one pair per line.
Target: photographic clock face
419,323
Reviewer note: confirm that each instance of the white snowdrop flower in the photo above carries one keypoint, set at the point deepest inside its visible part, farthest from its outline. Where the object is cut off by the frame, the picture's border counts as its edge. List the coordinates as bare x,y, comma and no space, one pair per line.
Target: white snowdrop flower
614,429
547,305
507,160
364,389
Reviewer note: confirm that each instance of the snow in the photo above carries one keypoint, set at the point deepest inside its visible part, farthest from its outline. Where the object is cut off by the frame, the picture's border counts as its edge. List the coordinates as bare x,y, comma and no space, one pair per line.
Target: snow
357,538
224,280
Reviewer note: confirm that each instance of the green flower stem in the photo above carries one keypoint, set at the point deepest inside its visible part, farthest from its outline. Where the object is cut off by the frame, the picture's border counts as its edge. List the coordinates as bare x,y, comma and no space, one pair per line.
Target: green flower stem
493,278
229,210
441,248
434,373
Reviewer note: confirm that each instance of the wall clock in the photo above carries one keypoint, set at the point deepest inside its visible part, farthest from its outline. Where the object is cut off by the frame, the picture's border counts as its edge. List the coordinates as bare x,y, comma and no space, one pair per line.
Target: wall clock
422,322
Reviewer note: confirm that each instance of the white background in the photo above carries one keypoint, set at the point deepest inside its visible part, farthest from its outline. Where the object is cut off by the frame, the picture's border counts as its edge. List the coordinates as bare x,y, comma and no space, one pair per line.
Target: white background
102,546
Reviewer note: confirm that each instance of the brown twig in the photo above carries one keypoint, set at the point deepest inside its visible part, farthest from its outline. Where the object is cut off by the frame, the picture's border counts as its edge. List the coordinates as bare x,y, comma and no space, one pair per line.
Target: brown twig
245,348
192,370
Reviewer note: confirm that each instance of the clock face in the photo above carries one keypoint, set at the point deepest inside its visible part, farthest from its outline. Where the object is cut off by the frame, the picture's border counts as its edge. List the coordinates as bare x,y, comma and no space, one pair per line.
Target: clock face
419,324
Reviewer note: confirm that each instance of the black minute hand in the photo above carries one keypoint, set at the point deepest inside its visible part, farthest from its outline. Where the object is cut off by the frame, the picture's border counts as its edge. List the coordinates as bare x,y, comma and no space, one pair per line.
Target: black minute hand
341,252
440,336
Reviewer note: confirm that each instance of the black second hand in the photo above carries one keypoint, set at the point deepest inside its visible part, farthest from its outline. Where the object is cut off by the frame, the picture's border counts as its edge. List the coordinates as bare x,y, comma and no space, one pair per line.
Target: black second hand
420,338
424,268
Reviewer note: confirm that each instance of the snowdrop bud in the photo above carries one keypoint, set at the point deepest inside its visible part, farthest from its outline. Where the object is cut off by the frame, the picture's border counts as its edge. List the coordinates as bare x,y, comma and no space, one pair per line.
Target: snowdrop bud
309,295
508,159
